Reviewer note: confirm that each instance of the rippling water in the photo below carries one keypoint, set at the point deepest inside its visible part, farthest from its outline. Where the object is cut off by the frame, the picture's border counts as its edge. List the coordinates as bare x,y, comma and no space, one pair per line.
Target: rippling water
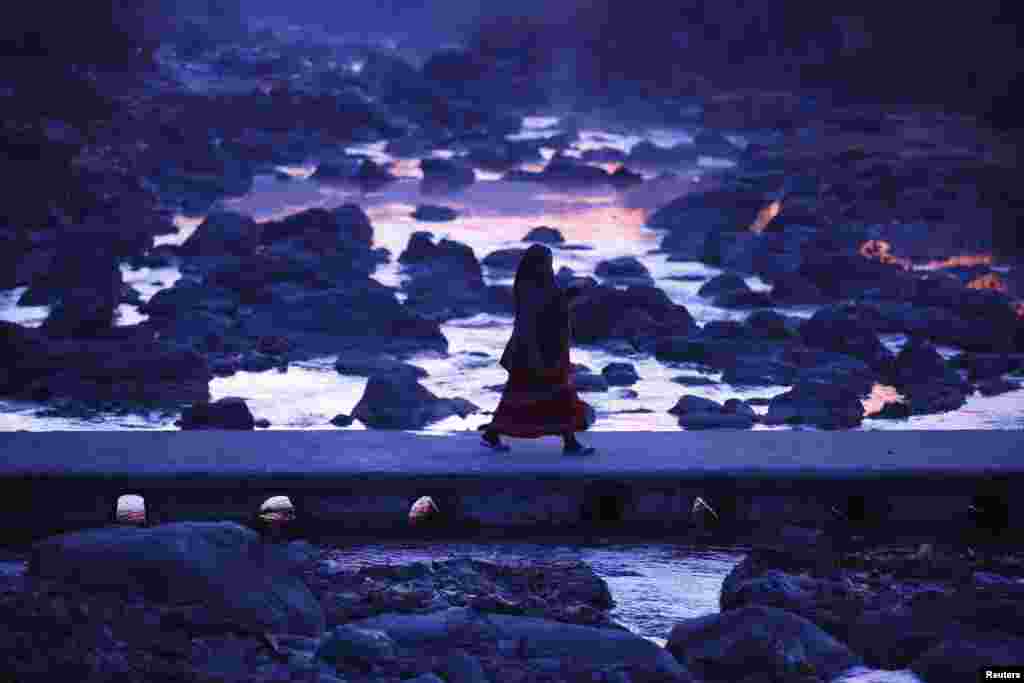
493,214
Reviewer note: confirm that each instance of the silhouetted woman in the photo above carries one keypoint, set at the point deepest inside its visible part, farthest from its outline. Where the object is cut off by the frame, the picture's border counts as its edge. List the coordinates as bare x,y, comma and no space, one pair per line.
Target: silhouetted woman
540,398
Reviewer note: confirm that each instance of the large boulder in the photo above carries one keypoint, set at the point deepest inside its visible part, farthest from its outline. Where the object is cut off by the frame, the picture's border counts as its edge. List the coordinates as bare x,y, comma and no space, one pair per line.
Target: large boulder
368,364
445,175
832,330
729,646
603,312
828,406
248,584
723,284
620,374
431,213
962,657
223,232
347,226
400,402
624,268
593,649
544,235
227,413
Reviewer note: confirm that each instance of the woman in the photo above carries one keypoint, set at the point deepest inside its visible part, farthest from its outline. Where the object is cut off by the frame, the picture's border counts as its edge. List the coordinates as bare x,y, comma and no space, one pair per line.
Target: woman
539,398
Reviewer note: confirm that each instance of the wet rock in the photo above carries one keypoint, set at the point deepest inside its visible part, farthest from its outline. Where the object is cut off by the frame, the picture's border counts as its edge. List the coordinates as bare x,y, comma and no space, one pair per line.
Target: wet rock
722,284
996,386
598,313
623,178
963,657
539,638
823,405
695,404
544,235
462,667
832,330
445,175
690,381
603,155
623,268
342,420
400,402
504,259
567,171
770,325
347,226
647,154
589,382
987,365
715,420
366,364
223,232
226,413
794,290
741,299
936,397
728,646
737,407
892,410
620,374
348,647
713,143
918,362
755,372
434,214
225,567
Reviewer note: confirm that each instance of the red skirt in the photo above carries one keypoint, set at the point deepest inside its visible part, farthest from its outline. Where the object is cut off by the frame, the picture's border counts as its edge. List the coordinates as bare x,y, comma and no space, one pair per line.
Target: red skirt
538,404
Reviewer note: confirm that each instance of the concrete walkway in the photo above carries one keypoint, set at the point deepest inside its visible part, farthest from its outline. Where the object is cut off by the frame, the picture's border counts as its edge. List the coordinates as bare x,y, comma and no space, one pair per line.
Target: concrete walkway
382,455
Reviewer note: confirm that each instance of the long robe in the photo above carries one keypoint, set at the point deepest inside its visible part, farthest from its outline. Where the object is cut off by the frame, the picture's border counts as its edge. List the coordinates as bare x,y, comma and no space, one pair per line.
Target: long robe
540,398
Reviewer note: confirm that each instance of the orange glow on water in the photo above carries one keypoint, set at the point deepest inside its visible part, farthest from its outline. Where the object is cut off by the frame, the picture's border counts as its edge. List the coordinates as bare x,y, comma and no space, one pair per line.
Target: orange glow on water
988,281
880,250
961,261
880,395
765,216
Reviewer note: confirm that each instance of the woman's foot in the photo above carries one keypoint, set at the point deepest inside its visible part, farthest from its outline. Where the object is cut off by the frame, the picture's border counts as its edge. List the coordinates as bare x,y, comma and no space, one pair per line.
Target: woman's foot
574,447
493,441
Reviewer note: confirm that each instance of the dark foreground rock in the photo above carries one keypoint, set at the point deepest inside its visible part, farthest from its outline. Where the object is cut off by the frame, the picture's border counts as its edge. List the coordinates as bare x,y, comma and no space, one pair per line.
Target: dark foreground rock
227,413
224,567
751,642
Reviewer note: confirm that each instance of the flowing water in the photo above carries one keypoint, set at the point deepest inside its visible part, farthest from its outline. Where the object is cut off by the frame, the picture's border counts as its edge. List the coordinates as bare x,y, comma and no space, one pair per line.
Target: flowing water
493,214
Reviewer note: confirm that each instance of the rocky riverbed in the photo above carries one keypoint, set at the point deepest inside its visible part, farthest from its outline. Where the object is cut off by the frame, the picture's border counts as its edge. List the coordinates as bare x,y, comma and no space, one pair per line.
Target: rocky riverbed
216,601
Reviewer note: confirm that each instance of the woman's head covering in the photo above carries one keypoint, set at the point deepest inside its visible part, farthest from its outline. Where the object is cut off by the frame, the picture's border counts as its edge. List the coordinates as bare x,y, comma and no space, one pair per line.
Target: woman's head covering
535,271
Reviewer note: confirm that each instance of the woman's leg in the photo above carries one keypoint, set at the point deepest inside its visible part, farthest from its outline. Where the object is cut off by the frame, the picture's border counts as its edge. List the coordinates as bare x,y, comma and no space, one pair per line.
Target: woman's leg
572,446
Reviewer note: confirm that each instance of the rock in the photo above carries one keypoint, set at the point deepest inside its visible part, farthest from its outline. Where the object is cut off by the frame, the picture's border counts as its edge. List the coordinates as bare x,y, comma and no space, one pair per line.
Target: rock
227,413
754,372
646,154
741,299
445,175
794,290
435,214
995,386
831,330
348,647
342,420
892,410
620,374
933,397
566,171
589,382
775,643
603,155
400,402
504,259
722,284
695,404
365,364
602,312
595,648
462,667
918,362
223,232
713,143
823,405
737,407
544,235
769,325
347,226
223,566
623,178
690,381
961,658
624,267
